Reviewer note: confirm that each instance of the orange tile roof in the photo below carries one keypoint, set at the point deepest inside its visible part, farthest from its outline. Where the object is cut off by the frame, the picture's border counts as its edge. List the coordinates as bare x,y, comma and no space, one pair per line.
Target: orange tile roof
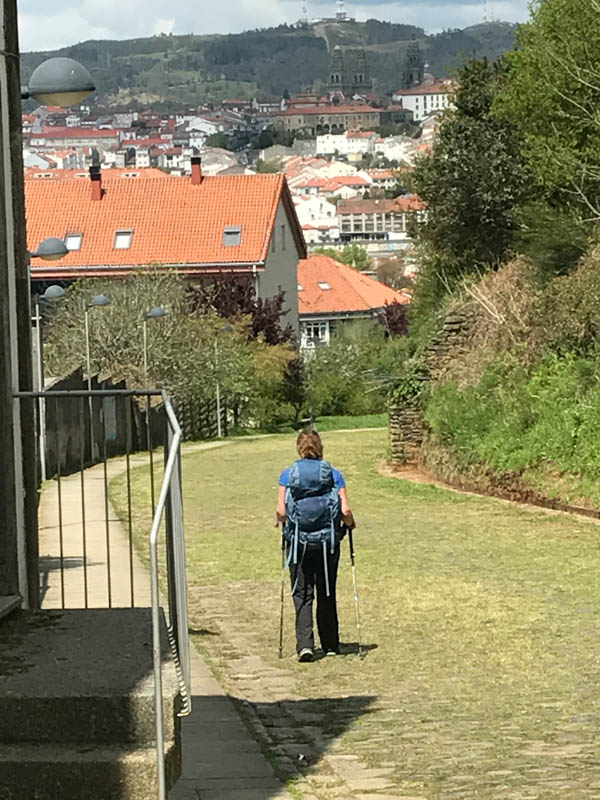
173,221
108,173
351,291
427,88
358,109
74,133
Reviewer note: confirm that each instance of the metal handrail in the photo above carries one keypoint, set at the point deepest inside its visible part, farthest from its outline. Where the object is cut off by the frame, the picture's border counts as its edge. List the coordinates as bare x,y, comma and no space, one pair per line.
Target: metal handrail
169,502
177,588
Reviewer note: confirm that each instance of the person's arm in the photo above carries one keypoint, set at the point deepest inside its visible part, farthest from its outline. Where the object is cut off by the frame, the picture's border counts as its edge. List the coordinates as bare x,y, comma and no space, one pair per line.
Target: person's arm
281,517
347,515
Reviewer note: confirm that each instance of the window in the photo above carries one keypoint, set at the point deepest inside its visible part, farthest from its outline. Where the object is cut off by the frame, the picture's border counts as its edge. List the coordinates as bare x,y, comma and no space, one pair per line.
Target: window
232,235
123,240
283,237
73,241
273,244
300,287
314,333
323,285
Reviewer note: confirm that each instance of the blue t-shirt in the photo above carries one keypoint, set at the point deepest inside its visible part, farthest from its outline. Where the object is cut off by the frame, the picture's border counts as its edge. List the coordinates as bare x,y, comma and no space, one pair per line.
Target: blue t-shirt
338,478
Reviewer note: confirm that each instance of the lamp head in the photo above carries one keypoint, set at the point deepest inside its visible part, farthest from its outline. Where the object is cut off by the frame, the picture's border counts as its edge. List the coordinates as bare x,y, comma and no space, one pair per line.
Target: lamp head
53,293
60,82
51,249
99,300
155,312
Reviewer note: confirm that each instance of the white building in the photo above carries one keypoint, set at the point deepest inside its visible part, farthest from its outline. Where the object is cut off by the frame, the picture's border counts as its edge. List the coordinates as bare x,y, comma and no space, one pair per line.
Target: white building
318,219
423,100
351,143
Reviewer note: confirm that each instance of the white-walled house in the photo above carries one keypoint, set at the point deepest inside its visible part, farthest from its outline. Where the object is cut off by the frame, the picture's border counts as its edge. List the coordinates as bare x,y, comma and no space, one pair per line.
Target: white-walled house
347,144
397,148
423,100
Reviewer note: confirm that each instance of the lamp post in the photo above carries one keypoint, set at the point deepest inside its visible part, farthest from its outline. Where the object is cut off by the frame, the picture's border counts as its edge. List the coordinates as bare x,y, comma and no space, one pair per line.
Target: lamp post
225,329
18,481
155,313
97,301
53,294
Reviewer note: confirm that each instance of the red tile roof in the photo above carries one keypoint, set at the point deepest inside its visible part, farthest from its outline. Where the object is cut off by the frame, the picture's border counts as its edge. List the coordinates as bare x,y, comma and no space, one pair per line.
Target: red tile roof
74,133
328,110
108,173
173,221
428,88
350,291
360,134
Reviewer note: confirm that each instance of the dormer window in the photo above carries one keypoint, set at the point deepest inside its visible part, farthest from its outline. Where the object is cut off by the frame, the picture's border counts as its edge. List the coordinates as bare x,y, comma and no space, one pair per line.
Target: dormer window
73,241
323,285
300,287
123,240
232,235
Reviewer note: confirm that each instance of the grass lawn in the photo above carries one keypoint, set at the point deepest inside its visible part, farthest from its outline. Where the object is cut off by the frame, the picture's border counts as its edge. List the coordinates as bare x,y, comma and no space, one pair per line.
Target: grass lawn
485,618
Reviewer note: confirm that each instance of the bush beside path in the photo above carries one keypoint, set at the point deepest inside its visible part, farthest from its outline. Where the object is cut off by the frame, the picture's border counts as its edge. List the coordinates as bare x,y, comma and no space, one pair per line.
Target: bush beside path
481,618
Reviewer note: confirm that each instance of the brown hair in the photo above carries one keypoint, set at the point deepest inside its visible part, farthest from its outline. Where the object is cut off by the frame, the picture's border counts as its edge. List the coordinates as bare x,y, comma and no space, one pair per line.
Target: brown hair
309,445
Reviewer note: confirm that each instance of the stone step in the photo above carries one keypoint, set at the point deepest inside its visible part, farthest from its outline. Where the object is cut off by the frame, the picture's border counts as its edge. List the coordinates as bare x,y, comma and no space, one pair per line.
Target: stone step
52,772
82,677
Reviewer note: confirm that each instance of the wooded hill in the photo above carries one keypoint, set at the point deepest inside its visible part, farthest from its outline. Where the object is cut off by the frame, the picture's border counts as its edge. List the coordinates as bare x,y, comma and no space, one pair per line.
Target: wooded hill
171,72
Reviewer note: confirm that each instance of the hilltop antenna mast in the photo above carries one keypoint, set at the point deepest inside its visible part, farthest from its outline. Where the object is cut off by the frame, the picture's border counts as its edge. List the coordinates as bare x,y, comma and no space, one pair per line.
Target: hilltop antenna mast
485,11
304,17
341,11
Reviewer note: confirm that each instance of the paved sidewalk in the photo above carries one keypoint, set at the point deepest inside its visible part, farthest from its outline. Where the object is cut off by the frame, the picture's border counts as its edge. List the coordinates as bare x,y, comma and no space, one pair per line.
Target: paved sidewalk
221,760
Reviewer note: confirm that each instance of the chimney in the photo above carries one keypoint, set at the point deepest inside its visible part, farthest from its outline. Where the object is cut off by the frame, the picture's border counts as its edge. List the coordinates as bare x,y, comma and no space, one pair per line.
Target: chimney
96,178
196,170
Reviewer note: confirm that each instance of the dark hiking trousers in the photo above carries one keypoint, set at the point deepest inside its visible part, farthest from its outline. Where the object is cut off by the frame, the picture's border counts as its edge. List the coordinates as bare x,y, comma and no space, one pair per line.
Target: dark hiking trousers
307,575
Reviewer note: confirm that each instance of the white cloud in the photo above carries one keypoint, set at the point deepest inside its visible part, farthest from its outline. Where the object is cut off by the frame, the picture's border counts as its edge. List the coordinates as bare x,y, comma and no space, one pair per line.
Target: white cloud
72,21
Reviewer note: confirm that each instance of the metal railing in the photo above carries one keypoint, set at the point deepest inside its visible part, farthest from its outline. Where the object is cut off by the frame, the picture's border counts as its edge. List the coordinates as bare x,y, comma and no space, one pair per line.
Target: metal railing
170,504
88,429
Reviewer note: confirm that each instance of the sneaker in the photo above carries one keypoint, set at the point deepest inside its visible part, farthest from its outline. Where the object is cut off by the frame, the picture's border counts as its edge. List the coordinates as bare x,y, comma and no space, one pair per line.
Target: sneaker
306,654
333,653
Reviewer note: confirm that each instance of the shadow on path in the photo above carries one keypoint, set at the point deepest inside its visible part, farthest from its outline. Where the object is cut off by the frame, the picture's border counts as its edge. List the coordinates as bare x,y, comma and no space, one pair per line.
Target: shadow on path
220,759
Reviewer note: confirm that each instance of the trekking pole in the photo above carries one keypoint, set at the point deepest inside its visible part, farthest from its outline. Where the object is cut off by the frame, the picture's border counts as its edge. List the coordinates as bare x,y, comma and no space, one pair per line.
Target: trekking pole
281,596
351,543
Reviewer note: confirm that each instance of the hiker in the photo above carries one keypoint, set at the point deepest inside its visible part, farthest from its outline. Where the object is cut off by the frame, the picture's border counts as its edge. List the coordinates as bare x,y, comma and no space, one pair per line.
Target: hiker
312,505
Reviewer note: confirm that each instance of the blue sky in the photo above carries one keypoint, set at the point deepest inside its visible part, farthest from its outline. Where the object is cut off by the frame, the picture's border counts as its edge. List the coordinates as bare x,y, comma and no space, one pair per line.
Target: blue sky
47,24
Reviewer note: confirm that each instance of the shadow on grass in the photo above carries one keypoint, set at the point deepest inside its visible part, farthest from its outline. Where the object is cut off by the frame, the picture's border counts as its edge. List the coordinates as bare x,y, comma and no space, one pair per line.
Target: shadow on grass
349,649
220,760
202,632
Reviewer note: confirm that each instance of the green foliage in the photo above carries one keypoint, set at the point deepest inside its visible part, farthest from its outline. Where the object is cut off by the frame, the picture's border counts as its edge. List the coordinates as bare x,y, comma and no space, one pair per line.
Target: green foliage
219,139
512,421
571,309
552,97
353,255
345,377
470,183
188,353
267,167
553,238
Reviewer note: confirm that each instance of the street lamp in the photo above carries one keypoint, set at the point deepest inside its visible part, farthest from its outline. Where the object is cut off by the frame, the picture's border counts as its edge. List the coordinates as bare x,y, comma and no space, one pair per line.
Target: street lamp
53,294
52,83
51,249
225,329
97,301
155,313
59,82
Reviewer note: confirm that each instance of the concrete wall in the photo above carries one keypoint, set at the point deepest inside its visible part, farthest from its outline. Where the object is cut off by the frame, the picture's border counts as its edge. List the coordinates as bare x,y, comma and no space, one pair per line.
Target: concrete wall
281,268
68,430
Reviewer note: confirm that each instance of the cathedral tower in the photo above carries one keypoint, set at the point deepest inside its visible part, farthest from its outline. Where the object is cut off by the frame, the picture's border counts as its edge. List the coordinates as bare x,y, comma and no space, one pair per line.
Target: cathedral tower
414,66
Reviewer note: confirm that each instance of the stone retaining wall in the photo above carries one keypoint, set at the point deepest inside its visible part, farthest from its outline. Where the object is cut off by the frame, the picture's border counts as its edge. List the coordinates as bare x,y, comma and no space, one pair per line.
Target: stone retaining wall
407,426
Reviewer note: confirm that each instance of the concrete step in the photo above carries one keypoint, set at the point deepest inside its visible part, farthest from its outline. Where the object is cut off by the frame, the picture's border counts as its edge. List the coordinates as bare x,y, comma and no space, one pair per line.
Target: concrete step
82,676
51,772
